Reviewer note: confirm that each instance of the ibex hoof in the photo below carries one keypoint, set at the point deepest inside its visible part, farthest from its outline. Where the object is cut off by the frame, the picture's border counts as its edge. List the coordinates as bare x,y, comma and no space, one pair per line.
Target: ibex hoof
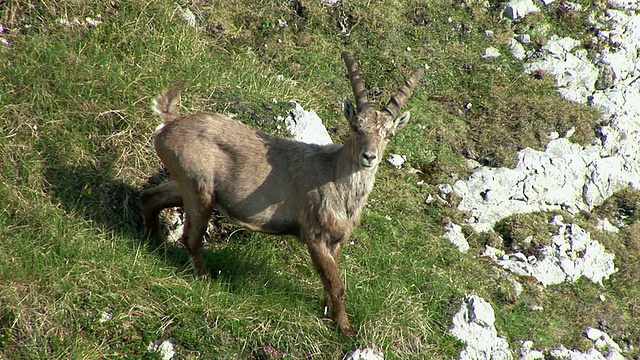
348,331
344,326
203,272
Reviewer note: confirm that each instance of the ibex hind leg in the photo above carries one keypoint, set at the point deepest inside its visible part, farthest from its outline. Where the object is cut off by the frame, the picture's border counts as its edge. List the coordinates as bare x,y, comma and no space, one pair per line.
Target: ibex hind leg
155,200
198,207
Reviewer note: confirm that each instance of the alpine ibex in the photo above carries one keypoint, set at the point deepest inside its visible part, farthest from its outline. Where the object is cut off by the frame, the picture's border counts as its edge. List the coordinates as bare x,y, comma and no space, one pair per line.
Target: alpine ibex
274,185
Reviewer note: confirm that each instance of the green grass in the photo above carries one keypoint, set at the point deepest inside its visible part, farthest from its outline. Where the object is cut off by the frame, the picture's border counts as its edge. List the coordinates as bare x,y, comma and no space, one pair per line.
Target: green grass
75,128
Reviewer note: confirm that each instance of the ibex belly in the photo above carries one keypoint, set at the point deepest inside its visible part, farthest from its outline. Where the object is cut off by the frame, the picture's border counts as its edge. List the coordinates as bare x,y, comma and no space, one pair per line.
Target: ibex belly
264,221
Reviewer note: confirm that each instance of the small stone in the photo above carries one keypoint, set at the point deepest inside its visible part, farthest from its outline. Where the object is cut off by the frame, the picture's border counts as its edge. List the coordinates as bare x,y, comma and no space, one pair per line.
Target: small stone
365,354
164,349
517,50
473,164
524,39
491,53
569,133
453,233
106,316
396,160
491,252
516,9
526,352
92,22
606,225
428,199
518,288
445,189
593,334
519,257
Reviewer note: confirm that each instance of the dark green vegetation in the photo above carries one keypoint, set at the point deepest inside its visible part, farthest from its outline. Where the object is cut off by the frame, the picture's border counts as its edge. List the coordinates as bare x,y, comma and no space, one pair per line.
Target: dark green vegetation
75,128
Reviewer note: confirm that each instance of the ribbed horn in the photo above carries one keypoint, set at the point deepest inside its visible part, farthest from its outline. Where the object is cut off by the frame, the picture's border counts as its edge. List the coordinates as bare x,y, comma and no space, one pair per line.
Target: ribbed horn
397,101
357,84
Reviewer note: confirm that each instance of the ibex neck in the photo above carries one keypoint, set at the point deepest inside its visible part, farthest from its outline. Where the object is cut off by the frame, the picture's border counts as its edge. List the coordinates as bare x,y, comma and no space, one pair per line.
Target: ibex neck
353,182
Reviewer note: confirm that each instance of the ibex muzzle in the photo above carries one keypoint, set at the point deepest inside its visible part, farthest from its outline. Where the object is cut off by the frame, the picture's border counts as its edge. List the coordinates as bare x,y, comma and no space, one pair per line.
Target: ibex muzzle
274,185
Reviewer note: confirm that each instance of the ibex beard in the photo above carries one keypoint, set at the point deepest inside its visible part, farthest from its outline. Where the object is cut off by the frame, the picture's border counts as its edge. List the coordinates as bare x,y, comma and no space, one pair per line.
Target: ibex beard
274,185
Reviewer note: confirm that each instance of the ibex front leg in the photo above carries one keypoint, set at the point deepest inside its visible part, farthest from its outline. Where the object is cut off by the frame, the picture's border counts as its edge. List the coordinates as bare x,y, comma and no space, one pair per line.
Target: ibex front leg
327,268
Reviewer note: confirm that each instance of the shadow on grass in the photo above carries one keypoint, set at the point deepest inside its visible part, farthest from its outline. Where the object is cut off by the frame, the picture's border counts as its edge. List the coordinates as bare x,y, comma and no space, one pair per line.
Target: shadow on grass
114,206
89,191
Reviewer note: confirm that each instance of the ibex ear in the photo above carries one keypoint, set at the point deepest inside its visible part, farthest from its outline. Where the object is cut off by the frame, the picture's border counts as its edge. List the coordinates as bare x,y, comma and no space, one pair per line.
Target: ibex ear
402,120
349,111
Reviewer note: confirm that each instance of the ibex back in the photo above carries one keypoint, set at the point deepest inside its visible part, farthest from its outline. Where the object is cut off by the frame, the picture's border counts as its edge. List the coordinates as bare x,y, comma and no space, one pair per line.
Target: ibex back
274,185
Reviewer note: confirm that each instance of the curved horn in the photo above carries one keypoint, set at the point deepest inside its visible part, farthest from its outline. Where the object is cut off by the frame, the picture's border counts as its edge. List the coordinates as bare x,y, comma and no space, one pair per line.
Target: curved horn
357,84
397,101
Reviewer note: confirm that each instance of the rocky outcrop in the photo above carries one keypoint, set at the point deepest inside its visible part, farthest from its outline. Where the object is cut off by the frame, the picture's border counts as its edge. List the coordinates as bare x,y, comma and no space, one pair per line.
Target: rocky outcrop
566,175
474,325
571,255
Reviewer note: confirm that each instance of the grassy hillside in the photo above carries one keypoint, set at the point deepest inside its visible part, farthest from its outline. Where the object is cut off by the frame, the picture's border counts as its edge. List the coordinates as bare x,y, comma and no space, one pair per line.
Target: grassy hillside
77,79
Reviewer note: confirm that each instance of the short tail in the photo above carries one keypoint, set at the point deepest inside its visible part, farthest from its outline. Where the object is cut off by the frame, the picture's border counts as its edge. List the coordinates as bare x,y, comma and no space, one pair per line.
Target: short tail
166,105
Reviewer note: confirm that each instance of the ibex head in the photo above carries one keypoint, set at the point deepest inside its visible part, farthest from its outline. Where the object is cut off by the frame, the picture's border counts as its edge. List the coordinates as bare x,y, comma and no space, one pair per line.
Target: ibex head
371,129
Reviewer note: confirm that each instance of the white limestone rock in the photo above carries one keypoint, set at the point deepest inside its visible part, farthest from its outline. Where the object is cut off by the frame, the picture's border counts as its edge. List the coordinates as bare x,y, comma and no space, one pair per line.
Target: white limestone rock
606,225
527,352
603,343
524,39
365,354
575,74
569,176
474,325
491,53
541,181
175,225
516,9
164,349
604,348
517,50
453,233
571,255
396,160
306,126
624,4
